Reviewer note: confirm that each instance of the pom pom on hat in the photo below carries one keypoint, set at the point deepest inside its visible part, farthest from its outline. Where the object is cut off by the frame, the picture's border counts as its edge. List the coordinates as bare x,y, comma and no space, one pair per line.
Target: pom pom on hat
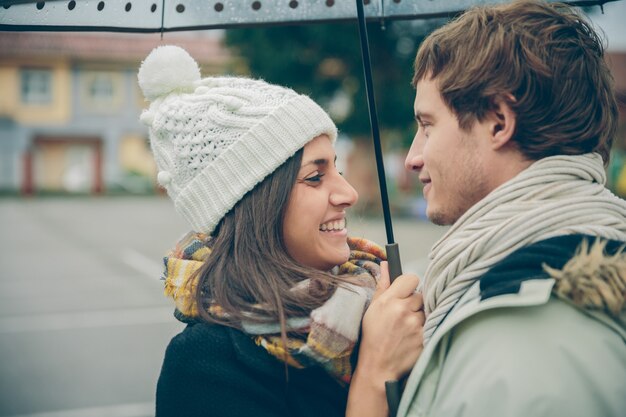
167,69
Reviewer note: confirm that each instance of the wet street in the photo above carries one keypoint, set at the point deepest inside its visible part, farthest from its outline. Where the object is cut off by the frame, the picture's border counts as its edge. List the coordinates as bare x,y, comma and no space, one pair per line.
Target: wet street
83,320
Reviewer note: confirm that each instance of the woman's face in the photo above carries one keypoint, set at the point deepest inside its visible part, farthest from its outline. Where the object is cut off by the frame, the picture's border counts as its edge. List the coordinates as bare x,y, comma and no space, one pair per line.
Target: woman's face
314,227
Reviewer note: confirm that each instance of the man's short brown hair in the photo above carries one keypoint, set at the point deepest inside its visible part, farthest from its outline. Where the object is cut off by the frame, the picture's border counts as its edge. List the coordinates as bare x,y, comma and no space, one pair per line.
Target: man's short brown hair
543,59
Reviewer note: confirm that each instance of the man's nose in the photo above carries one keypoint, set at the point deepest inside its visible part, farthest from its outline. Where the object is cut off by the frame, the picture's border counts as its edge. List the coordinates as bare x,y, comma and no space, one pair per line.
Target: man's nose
414,160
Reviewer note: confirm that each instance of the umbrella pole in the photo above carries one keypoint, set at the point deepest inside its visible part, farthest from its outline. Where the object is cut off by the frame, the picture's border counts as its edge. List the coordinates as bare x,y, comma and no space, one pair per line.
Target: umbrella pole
393,389
393,254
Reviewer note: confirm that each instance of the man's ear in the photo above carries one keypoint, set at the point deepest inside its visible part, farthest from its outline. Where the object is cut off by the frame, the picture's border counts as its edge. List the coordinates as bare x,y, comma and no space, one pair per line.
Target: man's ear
502,122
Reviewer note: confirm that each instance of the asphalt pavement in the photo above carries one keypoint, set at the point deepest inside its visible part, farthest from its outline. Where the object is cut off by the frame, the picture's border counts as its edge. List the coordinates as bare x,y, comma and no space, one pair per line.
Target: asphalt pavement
83,320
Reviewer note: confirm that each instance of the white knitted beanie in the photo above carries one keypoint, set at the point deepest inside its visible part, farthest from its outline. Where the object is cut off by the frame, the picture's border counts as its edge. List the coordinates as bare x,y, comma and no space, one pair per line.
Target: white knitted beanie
214,139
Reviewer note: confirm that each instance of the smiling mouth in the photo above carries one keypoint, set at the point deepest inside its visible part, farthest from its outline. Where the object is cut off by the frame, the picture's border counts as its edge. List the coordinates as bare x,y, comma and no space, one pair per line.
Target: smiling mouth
333,226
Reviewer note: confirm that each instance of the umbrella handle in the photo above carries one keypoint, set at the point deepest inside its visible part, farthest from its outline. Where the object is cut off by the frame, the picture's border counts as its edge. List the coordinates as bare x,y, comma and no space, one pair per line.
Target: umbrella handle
394,392
392,388
393,258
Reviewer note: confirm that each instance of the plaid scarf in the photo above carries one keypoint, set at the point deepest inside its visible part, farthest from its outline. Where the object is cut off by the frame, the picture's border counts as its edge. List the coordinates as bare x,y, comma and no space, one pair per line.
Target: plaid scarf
326,338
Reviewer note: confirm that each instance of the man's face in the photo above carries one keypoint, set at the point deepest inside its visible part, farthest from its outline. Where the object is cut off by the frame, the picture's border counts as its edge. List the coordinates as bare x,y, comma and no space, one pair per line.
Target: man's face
450,161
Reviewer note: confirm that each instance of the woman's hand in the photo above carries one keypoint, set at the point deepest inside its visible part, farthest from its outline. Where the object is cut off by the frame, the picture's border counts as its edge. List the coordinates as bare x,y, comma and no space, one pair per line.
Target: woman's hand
391,342
392,327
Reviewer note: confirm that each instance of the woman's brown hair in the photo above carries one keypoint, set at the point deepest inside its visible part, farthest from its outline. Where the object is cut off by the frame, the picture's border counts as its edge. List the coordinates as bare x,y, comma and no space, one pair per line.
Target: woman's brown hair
544,60
249,273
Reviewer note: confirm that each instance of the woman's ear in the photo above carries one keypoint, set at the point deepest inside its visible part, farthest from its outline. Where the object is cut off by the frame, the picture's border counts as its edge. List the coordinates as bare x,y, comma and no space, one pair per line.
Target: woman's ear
503,122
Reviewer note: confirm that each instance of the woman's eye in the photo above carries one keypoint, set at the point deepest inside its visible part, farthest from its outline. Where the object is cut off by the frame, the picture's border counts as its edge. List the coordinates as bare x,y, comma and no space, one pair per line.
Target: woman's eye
314,179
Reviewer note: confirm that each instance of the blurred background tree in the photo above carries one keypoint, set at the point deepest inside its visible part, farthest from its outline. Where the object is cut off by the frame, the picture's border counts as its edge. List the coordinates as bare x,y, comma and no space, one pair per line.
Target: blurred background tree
324,61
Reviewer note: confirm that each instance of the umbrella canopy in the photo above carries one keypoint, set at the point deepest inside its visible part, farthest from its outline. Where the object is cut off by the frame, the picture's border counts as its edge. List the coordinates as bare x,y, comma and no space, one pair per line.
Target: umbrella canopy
176,15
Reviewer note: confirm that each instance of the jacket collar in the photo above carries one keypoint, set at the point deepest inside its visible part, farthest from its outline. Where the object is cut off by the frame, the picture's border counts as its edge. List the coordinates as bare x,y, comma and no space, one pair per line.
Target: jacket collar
588,272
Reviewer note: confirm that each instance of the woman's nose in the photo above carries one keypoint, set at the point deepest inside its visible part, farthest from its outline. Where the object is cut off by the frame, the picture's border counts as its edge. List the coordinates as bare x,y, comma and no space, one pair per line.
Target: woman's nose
343,193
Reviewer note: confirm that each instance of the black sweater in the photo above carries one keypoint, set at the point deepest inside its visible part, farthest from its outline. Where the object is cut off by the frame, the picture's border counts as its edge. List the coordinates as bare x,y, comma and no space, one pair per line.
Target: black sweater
212,370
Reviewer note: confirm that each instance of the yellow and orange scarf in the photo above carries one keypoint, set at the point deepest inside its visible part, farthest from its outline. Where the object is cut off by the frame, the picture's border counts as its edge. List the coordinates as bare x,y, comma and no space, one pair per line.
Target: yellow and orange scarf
328,335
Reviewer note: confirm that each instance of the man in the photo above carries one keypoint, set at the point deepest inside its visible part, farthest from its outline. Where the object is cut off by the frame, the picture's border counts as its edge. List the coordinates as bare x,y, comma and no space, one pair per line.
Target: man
524,296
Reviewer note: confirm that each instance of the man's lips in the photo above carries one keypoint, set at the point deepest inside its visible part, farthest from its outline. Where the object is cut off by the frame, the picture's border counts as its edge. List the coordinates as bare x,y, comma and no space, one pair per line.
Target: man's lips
427,185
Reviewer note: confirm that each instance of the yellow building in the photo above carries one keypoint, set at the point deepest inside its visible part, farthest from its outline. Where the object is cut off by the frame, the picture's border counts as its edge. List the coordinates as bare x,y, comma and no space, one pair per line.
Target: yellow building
69,109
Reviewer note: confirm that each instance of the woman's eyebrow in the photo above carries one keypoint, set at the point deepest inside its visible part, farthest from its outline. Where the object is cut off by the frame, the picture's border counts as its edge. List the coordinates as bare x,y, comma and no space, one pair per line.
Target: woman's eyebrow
318,162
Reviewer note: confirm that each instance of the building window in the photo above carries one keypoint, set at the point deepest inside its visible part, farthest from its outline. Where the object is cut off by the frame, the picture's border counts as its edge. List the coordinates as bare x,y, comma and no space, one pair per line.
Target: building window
101,90
36,86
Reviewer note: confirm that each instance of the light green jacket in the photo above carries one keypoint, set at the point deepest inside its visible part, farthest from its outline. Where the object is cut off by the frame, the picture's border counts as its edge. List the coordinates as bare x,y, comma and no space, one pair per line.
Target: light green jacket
528,354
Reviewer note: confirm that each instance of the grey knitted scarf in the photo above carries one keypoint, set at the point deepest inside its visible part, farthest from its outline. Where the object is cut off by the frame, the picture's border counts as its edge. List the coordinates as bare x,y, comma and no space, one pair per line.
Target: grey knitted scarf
555,196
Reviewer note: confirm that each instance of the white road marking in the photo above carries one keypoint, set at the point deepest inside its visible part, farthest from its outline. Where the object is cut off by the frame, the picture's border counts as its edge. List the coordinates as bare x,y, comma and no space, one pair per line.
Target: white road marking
143,264
118,410
86,319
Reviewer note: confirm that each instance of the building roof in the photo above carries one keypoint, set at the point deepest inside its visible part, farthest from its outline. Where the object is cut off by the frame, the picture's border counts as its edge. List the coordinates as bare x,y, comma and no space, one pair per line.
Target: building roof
115,47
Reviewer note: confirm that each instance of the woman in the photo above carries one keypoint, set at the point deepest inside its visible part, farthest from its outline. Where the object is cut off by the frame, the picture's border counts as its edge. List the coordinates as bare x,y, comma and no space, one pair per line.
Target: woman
271,286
